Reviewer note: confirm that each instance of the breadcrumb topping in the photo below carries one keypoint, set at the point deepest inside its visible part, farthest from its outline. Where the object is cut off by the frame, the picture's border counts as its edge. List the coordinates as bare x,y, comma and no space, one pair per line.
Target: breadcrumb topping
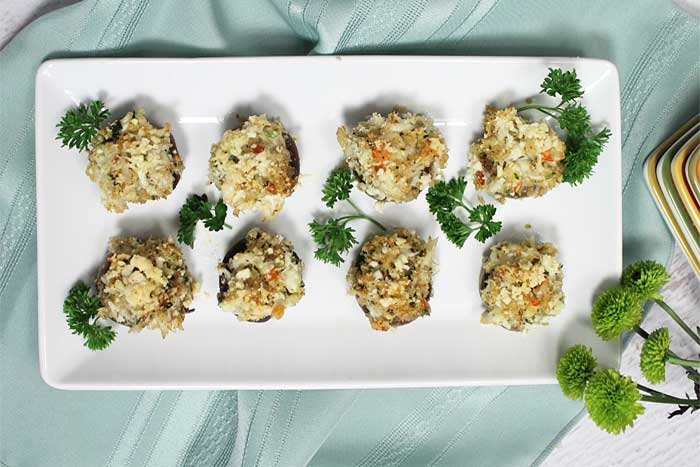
254,167
145,283
521,285
133,161
395,157
516,159
262,280
392,278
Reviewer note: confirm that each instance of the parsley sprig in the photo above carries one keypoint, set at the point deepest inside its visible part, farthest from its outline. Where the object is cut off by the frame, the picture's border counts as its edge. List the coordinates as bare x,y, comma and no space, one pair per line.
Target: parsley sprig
444,198
198,208
583,144
337,187
80,125
334,238
80,308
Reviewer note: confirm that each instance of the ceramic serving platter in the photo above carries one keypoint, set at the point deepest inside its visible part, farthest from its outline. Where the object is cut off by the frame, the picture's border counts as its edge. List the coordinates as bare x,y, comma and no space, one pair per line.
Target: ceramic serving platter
325,341
680,182
692,173
672,192
674,222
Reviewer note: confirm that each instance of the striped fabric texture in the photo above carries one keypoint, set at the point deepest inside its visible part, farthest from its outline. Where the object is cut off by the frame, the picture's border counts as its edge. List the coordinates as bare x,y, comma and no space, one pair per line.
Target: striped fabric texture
655,47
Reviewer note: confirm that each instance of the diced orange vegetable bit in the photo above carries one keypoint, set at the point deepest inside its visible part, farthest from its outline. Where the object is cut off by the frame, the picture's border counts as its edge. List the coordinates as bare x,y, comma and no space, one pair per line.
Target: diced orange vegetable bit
278,311
379,155
273,274
271,188
257,148
424,303
547,155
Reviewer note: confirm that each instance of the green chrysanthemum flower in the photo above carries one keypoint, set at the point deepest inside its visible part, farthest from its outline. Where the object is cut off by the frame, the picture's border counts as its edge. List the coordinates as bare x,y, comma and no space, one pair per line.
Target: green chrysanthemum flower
612,400
615,309
653,358
575,368
645,278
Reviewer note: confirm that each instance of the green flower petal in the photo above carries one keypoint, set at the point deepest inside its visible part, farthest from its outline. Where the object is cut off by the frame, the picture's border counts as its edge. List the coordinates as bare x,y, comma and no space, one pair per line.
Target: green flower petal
615,309
612,401
575,368
645,278
653,358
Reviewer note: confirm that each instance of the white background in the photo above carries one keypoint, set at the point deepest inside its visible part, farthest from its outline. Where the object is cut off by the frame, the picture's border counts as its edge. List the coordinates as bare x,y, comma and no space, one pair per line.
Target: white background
653,441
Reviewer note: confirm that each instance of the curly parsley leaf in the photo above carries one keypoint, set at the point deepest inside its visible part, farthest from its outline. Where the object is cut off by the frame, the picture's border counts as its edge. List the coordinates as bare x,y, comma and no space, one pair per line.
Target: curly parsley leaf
562,83
198,208
583,144
582,154
446,197
333,239
218,220
80,308
482,215
337,187
80,125
575,120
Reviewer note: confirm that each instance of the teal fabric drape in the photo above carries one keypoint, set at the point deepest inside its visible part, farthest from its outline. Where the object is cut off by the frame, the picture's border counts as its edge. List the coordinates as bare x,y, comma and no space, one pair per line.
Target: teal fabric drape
655,47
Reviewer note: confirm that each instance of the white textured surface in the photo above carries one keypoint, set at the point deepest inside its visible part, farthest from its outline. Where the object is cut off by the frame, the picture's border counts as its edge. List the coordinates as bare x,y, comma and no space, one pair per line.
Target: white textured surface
653,441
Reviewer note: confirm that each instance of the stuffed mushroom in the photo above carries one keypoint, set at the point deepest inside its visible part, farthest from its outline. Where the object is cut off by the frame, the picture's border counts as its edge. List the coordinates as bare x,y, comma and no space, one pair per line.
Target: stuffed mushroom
260,277
134,161
145,283
394,157
392,278
516,158
521,285
256,167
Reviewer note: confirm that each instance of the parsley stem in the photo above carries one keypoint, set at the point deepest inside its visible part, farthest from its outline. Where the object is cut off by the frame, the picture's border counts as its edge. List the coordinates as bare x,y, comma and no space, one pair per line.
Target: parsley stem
361,215
541,108
472,226
664,306
351,203
346,219
461,204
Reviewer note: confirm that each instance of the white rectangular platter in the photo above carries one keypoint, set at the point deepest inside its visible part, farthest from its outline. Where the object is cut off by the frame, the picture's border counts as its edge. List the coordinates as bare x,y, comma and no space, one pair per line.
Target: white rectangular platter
325,341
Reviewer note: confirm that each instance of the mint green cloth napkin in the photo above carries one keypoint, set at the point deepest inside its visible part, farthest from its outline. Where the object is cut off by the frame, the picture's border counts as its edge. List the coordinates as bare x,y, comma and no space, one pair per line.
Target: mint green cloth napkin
656,49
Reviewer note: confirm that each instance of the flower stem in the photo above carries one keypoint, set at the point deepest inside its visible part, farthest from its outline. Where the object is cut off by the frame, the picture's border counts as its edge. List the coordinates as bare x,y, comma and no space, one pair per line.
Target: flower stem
678,320
651,391
663,398
638,329
682,361
671,400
